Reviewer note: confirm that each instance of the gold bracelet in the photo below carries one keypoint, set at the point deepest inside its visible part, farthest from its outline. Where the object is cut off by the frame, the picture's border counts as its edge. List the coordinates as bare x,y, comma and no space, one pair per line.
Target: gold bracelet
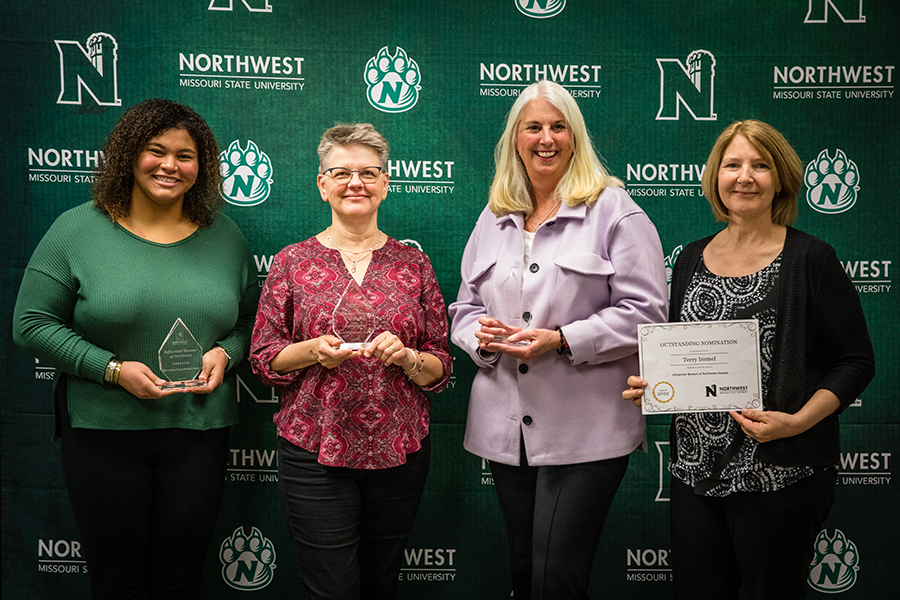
110,369
116,372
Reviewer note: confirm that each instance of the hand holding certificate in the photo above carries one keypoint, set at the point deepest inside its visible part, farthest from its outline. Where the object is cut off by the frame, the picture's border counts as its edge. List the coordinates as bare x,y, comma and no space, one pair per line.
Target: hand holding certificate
703,366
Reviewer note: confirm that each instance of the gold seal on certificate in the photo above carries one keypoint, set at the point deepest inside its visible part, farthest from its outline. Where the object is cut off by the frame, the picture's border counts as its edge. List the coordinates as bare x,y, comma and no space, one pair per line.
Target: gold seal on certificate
702,366
353,320
180,358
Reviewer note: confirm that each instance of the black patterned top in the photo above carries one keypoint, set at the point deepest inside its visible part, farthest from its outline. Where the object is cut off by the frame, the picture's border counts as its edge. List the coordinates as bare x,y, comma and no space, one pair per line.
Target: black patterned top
702,438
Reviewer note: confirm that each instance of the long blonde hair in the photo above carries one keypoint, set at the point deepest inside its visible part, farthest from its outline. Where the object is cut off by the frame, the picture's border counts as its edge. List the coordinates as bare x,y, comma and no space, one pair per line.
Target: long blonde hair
585,176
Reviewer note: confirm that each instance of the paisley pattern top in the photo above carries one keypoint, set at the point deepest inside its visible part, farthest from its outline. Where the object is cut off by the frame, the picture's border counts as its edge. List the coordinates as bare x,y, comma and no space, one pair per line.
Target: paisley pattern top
702,438
361,414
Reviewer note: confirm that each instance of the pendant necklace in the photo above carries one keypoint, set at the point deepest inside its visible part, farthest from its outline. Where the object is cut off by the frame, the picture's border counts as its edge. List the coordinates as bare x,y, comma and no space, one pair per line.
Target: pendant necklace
345,252
546,216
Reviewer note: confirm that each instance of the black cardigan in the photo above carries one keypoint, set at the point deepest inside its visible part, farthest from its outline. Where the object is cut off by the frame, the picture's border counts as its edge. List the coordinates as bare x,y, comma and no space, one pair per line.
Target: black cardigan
821,341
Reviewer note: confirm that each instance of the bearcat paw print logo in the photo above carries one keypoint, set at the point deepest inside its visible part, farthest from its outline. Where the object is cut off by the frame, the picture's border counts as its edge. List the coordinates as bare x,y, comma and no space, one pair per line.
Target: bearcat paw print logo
412,243
832,183
540,10
834,565
247,561
393,81
246,174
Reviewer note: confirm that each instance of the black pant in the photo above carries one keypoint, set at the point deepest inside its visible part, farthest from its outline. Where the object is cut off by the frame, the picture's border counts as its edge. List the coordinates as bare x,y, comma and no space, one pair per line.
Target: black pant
554,517
761,540
145,503
350,526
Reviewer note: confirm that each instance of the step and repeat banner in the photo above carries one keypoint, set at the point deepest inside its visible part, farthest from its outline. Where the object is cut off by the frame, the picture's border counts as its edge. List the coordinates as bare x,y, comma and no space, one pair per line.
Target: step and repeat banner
657,81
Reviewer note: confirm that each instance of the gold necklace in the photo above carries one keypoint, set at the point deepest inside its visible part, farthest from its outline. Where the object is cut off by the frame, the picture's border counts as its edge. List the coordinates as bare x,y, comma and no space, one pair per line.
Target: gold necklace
344,252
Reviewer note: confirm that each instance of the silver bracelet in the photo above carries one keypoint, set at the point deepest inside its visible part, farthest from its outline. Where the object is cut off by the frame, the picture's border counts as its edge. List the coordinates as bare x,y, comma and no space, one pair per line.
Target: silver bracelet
417,365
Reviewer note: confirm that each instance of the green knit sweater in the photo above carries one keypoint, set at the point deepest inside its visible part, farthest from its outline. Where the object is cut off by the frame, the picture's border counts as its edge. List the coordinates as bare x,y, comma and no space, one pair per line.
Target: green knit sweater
92,291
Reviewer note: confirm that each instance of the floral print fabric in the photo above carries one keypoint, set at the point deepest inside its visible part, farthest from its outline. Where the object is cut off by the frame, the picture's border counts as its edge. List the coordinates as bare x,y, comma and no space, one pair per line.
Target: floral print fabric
360,414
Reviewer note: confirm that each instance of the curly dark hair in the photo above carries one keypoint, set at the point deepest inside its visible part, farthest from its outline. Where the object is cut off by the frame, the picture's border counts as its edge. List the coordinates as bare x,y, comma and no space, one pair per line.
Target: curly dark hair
112,187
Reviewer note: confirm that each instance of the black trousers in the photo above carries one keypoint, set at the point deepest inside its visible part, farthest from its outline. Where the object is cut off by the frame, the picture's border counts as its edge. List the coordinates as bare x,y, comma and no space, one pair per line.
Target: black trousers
350,526
761,540
554,517
145,503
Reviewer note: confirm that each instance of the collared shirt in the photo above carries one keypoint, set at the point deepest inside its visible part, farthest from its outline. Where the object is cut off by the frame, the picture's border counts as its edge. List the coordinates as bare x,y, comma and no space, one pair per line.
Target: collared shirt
597,271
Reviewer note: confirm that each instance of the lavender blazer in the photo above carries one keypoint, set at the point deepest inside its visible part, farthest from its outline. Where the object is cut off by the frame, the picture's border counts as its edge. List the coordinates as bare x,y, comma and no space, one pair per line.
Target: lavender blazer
597,271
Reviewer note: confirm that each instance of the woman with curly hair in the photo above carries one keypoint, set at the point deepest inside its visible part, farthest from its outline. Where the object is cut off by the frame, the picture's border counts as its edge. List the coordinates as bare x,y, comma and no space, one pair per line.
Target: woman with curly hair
144,461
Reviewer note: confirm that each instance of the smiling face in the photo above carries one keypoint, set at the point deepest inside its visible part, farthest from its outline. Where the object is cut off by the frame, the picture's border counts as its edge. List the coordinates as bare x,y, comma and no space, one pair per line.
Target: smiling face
354,199
543,143
165,169
747,181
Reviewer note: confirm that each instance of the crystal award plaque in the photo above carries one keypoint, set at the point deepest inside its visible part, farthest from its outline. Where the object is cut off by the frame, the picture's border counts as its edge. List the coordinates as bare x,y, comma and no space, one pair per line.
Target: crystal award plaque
513,322
353,320
180,358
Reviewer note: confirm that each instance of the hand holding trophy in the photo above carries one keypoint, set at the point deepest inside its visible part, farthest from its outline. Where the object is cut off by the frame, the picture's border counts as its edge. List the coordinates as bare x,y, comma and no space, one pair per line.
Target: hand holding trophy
353,320
180,359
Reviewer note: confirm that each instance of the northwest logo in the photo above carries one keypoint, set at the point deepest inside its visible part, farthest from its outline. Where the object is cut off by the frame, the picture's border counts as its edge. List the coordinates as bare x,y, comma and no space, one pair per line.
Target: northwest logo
412,243
664,450
393,81
835,564
832,183
691,86
246,174
670,265
540,10
228,5
247,561
92,70
818,11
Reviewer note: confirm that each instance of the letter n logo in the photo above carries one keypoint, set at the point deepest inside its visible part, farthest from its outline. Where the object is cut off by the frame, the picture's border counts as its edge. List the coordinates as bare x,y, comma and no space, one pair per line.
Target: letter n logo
711,391
691,86
852,11
92,70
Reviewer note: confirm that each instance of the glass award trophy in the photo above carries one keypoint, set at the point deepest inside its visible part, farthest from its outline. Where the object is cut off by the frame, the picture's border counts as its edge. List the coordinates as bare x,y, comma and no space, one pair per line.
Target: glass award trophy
513,322
353,320
180,358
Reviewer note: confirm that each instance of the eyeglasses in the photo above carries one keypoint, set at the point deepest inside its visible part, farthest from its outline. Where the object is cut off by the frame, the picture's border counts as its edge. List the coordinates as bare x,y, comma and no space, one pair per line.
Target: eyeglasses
342,175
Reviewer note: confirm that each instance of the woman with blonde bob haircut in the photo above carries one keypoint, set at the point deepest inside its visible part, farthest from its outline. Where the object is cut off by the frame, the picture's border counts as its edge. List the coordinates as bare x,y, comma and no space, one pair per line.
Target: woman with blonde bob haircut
561,267
786,165
751,489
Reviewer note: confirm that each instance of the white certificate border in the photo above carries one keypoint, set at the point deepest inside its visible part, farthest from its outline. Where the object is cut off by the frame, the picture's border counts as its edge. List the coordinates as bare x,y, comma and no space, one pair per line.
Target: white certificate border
750,325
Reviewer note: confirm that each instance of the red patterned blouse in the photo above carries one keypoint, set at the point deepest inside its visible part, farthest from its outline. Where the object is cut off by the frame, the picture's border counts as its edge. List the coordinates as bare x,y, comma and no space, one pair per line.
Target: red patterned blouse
360,414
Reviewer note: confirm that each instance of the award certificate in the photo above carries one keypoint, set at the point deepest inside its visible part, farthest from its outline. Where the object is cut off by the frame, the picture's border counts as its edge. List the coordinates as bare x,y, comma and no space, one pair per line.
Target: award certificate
703,366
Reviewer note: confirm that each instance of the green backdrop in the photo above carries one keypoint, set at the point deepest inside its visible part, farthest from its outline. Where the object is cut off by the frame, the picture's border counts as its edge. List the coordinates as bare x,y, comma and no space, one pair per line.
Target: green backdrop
657,81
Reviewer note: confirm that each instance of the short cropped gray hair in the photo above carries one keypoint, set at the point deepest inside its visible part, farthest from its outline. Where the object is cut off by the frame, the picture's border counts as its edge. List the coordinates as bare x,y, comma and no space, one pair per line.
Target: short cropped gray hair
357,134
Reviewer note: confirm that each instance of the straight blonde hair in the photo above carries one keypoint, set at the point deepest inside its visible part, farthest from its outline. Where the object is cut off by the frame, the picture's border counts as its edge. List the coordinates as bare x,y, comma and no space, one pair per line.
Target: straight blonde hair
585,176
